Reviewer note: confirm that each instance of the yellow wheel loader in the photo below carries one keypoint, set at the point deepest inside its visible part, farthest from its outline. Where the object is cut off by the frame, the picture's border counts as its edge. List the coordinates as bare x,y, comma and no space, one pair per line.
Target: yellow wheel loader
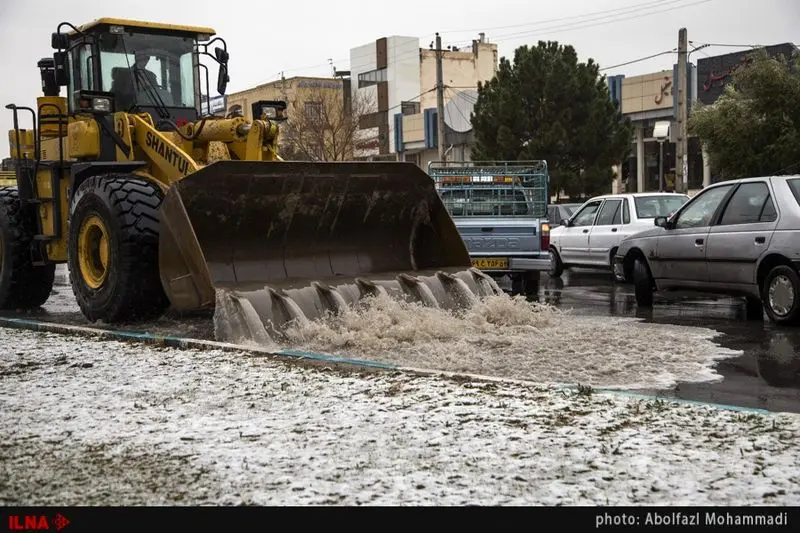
153,202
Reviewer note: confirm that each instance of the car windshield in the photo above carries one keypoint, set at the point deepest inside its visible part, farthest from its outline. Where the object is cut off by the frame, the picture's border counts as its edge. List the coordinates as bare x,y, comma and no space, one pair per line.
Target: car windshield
658,206
570,208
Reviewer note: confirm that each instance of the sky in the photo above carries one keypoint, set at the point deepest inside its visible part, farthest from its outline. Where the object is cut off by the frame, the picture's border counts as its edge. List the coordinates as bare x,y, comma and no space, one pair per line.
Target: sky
309,37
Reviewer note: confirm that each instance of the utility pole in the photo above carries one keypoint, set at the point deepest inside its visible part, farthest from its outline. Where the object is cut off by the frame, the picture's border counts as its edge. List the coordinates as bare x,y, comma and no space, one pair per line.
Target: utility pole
440,97
682,146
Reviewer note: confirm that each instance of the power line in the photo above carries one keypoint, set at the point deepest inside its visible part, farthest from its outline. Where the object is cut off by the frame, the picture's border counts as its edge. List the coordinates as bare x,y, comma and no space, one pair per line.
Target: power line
643,5
580,26
420,95
598,21
632,61
698,49
730,45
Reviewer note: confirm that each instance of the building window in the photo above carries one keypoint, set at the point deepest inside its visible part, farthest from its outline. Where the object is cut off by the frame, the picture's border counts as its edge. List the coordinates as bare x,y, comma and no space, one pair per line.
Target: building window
410,108
373,77
313,110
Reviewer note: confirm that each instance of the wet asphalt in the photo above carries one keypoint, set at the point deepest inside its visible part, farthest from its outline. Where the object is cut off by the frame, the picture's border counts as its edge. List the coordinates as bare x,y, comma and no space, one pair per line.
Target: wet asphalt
766,376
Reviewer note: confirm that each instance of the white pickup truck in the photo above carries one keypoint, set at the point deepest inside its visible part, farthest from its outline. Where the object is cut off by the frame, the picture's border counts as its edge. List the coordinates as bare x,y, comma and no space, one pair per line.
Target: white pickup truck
500,210
590,237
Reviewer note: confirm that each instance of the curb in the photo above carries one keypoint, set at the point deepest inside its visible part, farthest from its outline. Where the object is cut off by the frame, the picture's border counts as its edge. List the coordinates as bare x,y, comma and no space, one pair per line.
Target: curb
180,342
186,343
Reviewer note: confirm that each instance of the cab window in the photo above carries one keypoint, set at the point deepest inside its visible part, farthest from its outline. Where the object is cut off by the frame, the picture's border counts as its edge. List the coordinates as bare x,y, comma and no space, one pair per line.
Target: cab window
585,216
82,64
750,203
700,210
609,213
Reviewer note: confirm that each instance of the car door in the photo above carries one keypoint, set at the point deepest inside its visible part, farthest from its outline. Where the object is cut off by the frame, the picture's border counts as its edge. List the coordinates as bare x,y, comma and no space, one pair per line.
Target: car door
680,253
574,240
742,234
605,234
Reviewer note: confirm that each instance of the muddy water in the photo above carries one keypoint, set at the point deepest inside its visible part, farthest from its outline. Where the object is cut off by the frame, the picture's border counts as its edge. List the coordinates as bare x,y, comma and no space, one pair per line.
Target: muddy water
498,335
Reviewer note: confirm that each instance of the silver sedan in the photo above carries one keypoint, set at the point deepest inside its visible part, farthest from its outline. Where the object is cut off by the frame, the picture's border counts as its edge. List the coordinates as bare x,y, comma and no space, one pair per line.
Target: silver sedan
737,238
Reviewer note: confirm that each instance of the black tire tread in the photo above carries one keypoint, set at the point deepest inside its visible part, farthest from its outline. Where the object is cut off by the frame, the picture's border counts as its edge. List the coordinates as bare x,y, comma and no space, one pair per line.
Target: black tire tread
138,293
27,286
559,270
642,284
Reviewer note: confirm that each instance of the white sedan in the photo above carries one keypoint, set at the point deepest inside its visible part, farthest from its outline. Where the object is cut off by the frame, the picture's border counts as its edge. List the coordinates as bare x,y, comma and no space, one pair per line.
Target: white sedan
590,237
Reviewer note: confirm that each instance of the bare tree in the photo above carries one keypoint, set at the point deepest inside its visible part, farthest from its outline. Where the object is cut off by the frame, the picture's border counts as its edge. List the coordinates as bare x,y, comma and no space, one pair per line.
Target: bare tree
323,126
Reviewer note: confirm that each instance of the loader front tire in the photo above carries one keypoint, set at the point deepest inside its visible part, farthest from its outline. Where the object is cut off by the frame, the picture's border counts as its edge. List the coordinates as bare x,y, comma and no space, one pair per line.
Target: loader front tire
22,285
113,249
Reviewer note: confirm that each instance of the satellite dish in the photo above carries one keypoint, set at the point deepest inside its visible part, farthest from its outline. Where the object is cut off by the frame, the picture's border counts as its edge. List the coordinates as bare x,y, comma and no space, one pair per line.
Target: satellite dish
458,110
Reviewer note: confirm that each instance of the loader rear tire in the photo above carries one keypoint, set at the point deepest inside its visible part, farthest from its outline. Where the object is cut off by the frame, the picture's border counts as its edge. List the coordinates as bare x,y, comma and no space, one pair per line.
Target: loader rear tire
22,285
113,249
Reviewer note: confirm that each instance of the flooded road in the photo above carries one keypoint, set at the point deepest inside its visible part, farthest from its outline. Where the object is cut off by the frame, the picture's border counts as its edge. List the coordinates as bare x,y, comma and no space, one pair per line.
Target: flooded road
766,376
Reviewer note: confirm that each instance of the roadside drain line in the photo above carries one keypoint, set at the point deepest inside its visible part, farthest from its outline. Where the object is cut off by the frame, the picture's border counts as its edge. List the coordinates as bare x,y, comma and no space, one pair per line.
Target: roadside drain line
184,343
180,342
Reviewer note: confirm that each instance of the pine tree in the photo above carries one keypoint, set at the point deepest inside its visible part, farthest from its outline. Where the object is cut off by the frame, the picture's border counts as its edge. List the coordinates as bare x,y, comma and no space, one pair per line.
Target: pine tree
548,105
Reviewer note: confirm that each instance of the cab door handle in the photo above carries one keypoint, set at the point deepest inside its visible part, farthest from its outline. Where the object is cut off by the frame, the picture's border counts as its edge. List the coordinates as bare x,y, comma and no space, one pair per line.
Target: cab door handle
761,240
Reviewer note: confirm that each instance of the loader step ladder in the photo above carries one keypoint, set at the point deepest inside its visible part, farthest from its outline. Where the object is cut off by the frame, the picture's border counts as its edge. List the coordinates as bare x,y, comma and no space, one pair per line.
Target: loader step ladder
27,171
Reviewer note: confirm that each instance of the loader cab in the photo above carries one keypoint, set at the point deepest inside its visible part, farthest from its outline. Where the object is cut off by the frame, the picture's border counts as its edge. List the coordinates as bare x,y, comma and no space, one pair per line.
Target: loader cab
115,65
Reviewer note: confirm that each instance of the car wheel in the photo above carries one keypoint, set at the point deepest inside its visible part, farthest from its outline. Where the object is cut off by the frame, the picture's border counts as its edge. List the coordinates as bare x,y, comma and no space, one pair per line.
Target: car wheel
642,283
781,295
611,264
556,266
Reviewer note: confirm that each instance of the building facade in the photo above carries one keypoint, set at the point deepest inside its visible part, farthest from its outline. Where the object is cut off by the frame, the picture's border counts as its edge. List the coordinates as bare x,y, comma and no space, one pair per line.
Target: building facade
300,94
650,102
397,80
312,103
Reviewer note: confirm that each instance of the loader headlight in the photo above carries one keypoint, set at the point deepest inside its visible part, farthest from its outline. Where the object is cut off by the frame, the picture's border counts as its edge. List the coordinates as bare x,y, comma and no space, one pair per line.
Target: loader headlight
102,105
96,102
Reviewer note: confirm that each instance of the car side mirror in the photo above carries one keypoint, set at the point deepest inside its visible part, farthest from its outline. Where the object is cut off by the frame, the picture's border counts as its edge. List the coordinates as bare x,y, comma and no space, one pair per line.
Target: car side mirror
660,222
565,222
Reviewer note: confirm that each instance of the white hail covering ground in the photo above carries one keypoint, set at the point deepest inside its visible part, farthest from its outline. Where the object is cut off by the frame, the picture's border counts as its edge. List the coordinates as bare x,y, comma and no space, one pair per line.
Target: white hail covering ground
108,423
510,338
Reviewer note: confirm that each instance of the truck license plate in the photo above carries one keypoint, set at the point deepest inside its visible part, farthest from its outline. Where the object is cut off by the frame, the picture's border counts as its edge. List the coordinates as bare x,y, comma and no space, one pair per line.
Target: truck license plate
490,263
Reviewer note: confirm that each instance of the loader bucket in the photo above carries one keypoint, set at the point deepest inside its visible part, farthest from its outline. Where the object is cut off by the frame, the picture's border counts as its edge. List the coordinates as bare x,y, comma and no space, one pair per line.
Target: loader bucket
270,242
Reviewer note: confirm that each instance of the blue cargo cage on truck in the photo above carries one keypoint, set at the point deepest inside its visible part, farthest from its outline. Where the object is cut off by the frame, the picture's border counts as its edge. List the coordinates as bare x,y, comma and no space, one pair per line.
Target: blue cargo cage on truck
500,210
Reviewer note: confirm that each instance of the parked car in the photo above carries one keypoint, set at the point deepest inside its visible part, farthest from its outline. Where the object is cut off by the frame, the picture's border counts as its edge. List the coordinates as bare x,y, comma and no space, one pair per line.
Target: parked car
738,238
556,213
590,237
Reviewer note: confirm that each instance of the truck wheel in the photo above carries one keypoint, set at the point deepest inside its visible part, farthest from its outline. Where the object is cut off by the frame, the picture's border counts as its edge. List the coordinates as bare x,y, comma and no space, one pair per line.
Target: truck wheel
531,283
556,266
22,285
517,284
781,295
642,283
113,249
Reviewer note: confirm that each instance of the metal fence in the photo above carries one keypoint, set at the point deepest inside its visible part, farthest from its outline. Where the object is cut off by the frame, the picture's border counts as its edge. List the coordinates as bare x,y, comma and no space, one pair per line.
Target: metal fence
492,188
